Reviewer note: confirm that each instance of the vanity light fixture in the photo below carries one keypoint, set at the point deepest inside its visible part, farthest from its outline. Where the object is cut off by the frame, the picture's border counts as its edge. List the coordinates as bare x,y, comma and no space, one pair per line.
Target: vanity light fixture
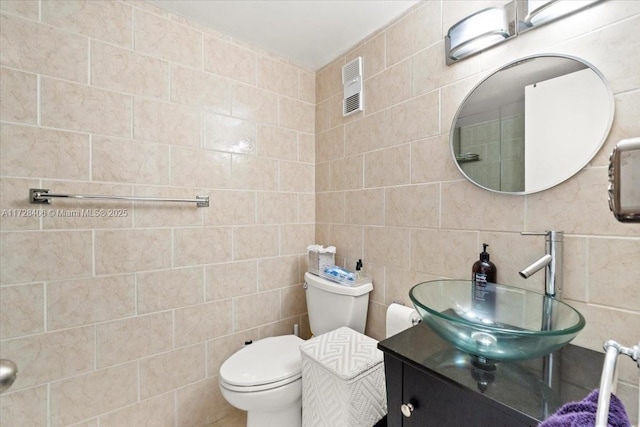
534,13
479,31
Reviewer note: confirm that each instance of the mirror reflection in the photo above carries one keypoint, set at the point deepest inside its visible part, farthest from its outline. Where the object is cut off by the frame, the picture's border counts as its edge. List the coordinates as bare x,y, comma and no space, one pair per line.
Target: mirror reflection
532,124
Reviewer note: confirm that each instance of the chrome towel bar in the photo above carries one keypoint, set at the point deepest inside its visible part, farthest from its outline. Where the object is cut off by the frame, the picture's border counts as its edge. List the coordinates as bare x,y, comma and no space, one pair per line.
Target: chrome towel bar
41,195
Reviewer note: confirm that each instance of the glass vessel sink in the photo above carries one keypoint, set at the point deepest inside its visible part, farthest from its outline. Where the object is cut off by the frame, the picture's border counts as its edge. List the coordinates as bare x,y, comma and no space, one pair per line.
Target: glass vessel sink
496,322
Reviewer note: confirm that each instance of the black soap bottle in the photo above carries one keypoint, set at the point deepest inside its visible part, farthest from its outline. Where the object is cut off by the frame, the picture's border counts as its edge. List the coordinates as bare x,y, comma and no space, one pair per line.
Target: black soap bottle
483,278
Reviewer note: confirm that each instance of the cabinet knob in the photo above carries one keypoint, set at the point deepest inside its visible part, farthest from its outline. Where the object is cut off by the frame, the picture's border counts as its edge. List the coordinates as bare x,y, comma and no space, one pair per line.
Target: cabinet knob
407,409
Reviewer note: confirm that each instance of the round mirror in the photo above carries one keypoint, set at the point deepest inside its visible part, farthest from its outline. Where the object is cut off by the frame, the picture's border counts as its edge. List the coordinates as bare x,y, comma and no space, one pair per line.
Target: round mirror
532,124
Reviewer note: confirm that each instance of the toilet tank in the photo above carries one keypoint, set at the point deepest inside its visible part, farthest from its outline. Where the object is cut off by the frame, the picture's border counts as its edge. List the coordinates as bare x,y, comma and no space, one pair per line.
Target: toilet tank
331,305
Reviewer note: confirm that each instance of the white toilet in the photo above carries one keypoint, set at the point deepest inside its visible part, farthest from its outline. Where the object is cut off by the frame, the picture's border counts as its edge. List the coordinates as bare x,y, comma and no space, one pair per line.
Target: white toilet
265,378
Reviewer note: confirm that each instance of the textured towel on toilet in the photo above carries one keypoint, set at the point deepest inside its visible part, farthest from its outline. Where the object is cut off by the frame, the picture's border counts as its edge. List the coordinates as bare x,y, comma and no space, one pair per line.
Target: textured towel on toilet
343,382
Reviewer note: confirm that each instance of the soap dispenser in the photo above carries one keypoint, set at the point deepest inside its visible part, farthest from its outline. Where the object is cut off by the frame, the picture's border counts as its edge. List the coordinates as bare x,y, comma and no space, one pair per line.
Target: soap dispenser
483,278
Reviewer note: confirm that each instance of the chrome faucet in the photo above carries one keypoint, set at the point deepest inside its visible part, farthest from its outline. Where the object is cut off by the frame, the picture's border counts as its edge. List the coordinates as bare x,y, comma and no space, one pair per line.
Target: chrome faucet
552,260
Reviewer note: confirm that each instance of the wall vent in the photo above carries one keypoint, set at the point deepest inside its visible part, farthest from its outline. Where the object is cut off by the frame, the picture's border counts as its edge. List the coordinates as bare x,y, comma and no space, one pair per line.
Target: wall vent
353,94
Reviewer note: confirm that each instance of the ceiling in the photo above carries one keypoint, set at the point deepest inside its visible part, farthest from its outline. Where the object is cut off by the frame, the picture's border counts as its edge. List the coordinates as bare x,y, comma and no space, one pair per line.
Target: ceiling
310,33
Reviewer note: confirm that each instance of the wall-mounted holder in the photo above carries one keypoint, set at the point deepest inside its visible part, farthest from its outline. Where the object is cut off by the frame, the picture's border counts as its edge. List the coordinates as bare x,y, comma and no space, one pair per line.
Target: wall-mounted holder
43,196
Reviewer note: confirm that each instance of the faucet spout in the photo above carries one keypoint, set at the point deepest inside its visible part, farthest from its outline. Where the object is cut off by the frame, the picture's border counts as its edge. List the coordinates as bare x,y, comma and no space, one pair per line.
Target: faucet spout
551,261
536,266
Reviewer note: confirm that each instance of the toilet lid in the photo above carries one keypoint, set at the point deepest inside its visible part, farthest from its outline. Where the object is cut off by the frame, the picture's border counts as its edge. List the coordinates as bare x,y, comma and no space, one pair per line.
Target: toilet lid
265,361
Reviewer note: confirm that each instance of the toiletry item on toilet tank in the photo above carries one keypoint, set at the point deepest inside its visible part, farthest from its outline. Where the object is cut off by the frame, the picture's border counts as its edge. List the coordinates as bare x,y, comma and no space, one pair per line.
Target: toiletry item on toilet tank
483,277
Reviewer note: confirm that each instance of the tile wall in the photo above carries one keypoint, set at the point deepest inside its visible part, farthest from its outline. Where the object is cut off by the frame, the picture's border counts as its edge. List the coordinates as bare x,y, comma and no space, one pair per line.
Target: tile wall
388,191
124,320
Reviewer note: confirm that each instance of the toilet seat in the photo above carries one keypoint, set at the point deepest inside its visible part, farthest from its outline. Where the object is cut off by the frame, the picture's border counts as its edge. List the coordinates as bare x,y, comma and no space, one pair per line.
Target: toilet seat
266,364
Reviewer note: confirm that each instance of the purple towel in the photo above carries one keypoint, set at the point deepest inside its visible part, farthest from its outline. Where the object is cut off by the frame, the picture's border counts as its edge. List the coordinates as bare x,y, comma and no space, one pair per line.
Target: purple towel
583,413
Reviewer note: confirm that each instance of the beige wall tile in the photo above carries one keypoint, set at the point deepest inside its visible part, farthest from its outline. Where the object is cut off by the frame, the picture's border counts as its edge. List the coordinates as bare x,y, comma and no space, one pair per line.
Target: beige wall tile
277,76
27,8
48,357
399,282
254,104
279,143
122,70
124,251
66,153
307,82
125,160
201,404
624,125
467,207
348,240
330,145
323,177
229,60
409,121
388,245
82,108
417,30
22,310
295,238
329,80
254,173
91,300
19,92
373,55
575,270
203,322
376,325
231,280
231,208
198,168
224,133
129,339
168,123
13,201
278,272
192,246
158,411
432,161
582,210
253,310
297,177
187,366
196,88
27,408
307,208
58,53
613,275
293,302
283,327
60,255
108,21
168,289
255,242
168,40
602,322
364,207
97,392
277,208
297,115
346,174
220,349
388,88
386,167
413,206
452,97
442,252
330,207
159,214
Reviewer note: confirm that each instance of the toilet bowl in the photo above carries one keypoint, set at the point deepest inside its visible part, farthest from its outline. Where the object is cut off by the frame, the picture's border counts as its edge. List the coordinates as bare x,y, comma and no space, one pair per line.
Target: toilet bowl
265,379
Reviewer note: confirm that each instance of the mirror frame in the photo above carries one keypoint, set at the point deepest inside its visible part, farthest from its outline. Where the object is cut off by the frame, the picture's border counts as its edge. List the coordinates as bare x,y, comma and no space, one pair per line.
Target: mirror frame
570,174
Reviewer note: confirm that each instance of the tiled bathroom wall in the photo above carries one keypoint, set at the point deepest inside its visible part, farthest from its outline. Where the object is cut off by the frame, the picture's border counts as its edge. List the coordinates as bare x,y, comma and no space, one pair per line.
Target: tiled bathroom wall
388,191
124,320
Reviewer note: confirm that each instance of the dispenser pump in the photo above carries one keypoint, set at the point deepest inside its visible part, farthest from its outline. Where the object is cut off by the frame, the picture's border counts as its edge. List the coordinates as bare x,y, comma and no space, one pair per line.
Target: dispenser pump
484,255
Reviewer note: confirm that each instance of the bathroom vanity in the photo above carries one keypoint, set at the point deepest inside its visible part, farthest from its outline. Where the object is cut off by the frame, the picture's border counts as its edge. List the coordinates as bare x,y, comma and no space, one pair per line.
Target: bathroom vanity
430,383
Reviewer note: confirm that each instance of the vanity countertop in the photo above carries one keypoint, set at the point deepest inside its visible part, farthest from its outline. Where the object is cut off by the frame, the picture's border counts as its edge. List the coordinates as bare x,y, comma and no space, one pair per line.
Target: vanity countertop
534,388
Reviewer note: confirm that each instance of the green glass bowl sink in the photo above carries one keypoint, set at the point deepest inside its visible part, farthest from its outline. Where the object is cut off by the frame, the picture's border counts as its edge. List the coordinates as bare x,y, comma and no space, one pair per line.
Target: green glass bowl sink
496,322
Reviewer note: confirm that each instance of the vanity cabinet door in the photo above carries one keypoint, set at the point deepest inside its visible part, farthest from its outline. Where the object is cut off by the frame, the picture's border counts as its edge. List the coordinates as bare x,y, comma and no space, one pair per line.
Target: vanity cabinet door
439,403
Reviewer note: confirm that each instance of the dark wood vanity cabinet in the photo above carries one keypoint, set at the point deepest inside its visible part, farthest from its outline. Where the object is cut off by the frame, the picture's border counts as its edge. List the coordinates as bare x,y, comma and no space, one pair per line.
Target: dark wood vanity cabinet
447,388
436,402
